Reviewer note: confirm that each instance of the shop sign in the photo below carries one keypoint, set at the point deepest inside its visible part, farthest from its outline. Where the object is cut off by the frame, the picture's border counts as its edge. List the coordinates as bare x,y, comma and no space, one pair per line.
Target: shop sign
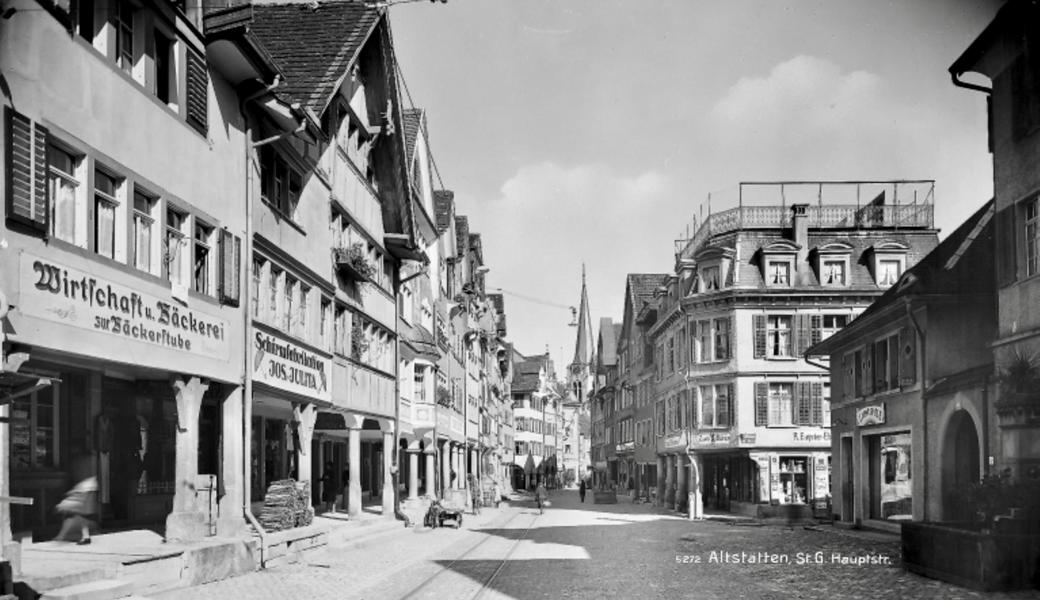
625,447
811,436
746,438
714,438
821,477
774,477
674,441
284,365
871,415
68,296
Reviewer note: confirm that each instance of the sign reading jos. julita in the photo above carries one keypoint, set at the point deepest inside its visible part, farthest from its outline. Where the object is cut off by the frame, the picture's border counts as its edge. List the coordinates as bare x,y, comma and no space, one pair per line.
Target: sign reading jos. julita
290,367
66,295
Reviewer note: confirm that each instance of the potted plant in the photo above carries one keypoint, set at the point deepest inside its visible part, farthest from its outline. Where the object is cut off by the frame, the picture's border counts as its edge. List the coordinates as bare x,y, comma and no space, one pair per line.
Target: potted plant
358,341
443,397
353,261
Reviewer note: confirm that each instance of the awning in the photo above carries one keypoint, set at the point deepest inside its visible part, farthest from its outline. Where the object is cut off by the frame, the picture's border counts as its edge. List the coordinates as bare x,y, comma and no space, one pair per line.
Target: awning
14,384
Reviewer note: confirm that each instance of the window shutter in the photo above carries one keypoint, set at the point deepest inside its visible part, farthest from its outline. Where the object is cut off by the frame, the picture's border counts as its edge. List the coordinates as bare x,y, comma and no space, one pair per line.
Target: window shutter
731,404
817,403
760,336
848,381
722,408
1007,267
729,337
817,329
802,405
197,101
804,334
761,403
907,356
880,360
868,372
230,248
26,172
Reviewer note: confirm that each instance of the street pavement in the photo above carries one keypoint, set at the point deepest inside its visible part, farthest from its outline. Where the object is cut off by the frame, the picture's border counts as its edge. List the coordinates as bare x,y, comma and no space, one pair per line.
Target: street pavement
579,550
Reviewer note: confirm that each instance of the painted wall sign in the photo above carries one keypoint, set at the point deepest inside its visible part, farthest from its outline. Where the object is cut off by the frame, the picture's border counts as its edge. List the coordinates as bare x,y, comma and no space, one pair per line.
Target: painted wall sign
746,438
811,436
287,366
625,447
714,438
61,294
821,477
774,477
675,440
870,415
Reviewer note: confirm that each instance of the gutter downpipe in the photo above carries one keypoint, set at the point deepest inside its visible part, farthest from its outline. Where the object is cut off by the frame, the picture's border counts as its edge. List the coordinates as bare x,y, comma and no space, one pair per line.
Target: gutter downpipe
956,78
924,400
247,391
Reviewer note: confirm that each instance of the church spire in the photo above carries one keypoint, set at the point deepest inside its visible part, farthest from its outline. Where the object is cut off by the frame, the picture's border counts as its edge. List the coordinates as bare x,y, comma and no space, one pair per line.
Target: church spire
584,345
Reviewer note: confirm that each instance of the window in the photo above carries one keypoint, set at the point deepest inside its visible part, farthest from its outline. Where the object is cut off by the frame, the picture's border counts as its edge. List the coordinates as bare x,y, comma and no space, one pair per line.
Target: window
106,189
833,272
886,364
35,423
85,26
1032,221
889,270
778,336
165,69
143,223
832,324
420,384
123,26
326,317
716,406
201,262
272,294
710,278
289,294
341,333
175,241
279,183
721,339
64,194
301,313
703,341
258,270
780,405
778,273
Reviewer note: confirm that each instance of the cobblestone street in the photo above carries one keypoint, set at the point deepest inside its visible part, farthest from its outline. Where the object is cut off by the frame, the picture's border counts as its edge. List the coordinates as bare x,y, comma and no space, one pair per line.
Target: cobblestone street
594,551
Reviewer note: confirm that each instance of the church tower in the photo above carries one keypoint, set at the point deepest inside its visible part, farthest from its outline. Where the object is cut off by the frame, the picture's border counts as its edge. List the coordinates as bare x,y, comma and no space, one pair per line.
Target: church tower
580,371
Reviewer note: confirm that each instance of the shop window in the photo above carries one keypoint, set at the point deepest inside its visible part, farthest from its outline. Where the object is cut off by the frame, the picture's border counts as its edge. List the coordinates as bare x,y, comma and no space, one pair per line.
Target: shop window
67,212
794,478
106,200
891,478
202,263
35,427
144,221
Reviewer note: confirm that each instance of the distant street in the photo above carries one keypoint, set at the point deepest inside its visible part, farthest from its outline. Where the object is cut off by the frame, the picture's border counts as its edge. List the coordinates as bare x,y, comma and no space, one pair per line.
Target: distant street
597,551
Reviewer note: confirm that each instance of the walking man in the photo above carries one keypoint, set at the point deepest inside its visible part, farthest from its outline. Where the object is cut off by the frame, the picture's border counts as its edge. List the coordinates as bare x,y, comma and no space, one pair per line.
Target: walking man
540,495
581,490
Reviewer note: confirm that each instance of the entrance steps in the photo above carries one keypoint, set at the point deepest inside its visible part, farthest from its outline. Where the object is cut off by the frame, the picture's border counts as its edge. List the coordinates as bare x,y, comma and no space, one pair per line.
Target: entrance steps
101,589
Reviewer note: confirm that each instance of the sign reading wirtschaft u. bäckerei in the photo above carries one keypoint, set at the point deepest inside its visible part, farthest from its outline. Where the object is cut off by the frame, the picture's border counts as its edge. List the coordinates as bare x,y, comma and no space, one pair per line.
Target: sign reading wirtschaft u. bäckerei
62,294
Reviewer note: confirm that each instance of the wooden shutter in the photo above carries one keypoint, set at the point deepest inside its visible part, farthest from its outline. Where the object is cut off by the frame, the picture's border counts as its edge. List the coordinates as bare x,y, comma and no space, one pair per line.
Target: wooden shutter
761,403
760,336
721,406
817,329
731,404
848,383
867,381
1007,264
728,338
880,363
197,91
230,250
816,399
803,334
907,356
26,172
802,403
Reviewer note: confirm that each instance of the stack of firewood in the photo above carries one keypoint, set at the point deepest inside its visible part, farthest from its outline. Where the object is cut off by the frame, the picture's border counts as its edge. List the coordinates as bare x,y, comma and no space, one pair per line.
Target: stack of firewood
280,506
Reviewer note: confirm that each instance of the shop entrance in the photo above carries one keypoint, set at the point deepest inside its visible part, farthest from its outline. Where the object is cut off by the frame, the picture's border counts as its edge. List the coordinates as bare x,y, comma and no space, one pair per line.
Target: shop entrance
890,474
960,466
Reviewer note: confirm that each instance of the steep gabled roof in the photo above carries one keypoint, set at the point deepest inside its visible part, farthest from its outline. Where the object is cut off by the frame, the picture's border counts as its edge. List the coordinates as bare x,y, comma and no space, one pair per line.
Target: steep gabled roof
525,373
314,44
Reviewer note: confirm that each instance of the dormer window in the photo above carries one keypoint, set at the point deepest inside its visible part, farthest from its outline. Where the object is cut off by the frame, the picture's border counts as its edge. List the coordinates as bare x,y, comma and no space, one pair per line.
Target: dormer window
778,264
710,278
713,268
833,272
889,263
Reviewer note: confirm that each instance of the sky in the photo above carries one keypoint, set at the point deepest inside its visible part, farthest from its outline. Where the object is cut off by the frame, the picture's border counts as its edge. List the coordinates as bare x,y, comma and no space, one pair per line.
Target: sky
591,132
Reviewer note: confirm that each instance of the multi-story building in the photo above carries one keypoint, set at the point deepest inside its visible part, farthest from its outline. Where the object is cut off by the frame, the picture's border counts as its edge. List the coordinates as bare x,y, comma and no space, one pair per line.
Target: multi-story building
534,418
123,344
755,287
601,409
1006,53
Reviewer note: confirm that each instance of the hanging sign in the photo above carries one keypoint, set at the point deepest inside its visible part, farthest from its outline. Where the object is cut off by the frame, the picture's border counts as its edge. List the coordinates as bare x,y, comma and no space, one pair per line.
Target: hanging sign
871,415
61,294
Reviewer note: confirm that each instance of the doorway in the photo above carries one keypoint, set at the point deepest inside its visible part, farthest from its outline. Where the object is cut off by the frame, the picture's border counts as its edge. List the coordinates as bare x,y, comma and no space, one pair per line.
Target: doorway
960,465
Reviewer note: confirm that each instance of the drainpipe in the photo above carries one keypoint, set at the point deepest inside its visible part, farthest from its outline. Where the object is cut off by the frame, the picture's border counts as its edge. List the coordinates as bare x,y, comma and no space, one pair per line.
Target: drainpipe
956,78
247,387
924,402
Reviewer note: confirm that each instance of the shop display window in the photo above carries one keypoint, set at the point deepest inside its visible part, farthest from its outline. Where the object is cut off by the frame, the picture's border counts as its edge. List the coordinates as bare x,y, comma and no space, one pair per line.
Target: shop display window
891,493
34,430
794,479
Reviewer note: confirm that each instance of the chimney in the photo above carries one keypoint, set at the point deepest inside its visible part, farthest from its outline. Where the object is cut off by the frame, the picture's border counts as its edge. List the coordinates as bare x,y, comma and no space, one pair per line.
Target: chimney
800,224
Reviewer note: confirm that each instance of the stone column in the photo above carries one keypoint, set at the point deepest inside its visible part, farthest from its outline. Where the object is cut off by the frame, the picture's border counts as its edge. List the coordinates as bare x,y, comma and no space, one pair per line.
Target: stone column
680,480
231,522
661,483
388,475
354,423
186,521
431,471
474,462
445,467
455,467
304,416
696,498
413,471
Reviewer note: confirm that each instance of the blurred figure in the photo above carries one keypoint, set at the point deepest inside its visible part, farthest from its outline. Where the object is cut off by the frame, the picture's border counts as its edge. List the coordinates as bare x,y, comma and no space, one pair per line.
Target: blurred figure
474,493
540,495
328,489
581,490
78,507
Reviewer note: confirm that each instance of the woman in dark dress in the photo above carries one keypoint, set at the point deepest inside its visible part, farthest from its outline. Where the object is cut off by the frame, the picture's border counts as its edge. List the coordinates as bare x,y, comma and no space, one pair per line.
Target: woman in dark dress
328,488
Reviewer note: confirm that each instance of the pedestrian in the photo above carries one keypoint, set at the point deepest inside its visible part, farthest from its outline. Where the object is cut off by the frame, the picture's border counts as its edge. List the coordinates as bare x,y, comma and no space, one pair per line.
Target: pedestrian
328,489
78,508
498,493
474,493
540,495
581,490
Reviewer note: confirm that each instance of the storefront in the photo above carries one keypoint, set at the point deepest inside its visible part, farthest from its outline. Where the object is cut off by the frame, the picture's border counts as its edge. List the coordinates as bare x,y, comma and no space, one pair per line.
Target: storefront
890,489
